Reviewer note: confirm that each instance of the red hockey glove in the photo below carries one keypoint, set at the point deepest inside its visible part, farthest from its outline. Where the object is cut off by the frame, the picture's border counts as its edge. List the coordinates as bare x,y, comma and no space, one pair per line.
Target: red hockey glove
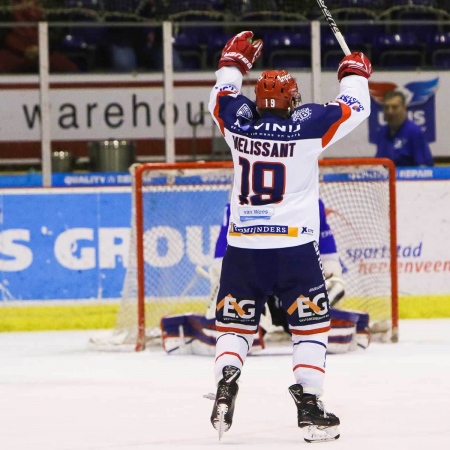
356,63
241,52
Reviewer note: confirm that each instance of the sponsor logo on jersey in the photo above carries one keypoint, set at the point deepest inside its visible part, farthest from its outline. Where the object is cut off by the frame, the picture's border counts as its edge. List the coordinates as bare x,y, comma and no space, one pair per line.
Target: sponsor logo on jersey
300,115
317,287
229,88
276,127
233,308
245,112
316,249
316,306
309,307
353,102
264,230
306,230
254,213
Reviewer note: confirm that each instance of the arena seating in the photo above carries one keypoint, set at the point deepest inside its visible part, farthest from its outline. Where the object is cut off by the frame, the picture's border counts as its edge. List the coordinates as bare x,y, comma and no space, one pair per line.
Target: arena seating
439,50
191,51
392,32
288,50
332,52
398,50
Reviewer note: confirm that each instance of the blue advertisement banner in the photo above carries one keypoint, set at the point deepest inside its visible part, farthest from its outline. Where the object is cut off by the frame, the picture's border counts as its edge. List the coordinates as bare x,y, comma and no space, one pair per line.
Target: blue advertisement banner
68,179
124,179
65,244
51,245
423,173
73,244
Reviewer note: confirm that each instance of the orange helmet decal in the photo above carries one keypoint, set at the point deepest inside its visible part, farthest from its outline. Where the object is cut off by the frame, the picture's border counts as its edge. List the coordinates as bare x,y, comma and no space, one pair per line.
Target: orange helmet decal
275,89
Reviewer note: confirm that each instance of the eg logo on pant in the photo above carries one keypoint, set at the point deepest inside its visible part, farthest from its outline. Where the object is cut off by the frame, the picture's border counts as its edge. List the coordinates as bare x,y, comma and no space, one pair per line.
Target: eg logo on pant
233,308
245,309
306,307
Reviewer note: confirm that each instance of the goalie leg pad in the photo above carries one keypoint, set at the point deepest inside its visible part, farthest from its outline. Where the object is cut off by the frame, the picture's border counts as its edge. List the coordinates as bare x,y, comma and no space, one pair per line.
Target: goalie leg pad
192,334
188,334
349,331
363,331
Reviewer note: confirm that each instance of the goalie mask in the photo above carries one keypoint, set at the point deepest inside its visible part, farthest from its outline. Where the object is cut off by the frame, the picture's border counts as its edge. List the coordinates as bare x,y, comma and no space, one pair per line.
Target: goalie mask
277,89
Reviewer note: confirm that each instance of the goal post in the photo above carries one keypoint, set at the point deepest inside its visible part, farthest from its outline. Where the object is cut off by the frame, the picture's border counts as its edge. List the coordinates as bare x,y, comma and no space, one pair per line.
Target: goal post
177,211
213,170
363,192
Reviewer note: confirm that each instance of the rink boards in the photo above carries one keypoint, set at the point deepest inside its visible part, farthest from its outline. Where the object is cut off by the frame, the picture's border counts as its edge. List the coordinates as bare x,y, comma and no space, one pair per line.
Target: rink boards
71,245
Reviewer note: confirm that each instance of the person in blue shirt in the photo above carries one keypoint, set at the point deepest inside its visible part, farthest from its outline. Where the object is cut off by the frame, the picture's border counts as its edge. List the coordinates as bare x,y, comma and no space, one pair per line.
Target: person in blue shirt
401,140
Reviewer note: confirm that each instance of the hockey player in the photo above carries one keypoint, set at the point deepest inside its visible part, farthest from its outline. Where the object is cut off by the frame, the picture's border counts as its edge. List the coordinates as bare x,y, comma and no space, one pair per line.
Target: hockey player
274,221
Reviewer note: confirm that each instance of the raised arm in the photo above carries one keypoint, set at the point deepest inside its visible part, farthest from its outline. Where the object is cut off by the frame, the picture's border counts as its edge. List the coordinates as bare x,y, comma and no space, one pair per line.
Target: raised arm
238,57
354,99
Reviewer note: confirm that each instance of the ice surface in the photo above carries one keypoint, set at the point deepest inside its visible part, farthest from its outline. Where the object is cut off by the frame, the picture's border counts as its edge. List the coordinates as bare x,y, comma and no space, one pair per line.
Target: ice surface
55,394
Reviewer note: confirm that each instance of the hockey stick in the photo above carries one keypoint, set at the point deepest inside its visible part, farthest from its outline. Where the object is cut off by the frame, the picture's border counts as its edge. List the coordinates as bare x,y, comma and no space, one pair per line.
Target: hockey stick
334,27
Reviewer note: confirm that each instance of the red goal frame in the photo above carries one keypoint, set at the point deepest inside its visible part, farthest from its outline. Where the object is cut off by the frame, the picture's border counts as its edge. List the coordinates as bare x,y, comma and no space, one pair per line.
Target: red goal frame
389,164
141,169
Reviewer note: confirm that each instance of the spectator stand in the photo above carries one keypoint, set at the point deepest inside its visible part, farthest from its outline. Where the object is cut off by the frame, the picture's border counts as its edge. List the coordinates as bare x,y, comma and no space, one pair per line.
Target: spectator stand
410,31
420,19
288,50
193,32
5,20
332,52
124,42
196,22
103,34
77,33
108,34
398,51
439,50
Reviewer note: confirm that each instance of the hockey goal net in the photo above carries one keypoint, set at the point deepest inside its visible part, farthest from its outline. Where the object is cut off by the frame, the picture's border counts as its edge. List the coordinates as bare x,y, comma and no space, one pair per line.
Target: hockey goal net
177,211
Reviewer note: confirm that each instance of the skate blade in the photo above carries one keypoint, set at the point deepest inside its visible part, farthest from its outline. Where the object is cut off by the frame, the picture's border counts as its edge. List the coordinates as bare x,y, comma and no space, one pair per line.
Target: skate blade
313,434
219,424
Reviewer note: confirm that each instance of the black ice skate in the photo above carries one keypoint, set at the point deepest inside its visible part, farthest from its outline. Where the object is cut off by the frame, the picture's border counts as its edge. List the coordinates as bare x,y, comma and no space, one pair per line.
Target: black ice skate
222,413
319,425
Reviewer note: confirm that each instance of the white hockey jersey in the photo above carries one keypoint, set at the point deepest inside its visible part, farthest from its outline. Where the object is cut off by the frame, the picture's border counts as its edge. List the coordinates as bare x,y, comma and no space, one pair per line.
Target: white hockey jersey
274,202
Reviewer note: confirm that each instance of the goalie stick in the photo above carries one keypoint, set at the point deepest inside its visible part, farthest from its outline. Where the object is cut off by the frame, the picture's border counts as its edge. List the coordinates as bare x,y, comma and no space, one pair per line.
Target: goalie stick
334,27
